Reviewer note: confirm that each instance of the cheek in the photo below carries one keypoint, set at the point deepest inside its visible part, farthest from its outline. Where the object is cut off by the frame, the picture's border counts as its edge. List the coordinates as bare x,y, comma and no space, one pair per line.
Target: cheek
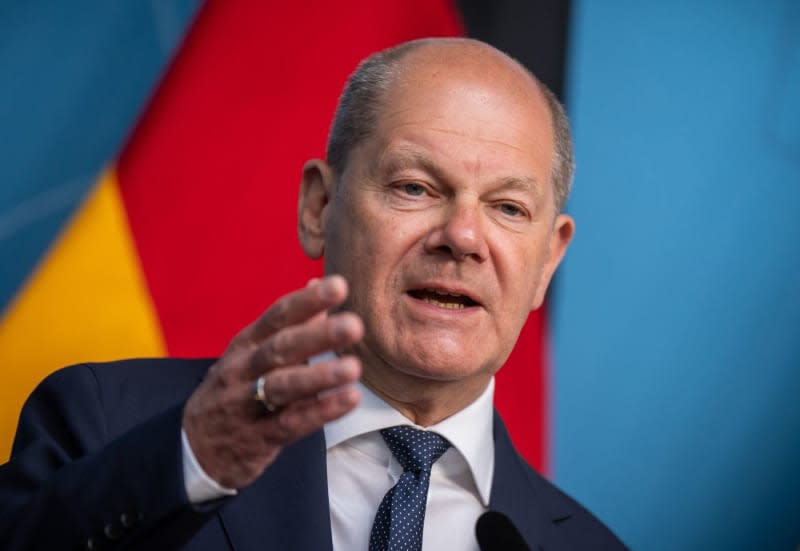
519,265
346,237
387,233
360,249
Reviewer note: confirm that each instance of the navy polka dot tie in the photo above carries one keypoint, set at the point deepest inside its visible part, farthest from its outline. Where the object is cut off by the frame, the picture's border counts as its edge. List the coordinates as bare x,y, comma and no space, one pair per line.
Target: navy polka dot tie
401,514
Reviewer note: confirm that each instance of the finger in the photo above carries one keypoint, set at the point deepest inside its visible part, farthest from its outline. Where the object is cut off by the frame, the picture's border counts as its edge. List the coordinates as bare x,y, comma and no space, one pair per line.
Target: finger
297,307
296,344
290,384
318,316
303,417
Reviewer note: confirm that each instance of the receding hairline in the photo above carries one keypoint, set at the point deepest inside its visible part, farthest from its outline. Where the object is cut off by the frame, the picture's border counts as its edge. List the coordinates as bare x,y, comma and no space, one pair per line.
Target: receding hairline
396,62
411,56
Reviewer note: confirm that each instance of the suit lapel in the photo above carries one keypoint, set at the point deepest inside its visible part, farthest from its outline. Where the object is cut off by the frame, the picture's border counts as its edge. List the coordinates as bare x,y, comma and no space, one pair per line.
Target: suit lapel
287,507
522,495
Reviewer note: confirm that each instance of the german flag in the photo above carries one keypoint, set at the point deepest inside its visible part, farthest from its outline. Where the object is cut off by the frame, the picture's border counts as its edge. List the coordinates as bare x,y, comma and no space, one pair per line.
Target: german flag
152,210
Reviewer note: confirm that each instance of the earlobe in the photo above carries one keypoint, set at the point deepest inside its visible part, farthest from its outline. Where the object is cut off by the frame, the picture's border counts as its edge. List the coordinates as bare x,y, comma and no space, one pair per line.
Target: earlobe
312,206
563,230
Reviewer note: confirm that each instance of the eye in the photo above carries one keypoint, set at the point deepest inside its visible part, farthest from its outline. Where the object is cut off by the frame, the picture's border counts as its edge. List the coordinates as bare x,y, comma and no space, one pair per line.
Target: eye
510,209
412,188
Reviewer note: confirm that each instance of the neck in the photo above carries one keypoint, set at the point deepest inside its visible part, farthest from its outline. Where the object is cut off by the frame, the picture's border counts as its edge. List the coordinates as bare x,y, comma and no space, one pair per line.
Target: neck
423,401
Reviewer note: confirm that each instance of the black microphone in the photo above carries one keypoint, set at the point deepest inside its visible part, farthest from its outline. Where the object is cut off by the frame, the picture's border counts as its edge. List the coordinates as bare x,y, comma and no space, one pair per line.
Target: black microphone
496,532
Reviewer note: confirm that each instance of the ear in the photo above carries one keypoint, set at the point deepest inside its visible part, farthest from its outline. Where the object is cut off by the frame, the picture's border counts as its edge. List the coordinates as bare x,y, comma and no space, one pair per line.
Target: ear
563,230
312,206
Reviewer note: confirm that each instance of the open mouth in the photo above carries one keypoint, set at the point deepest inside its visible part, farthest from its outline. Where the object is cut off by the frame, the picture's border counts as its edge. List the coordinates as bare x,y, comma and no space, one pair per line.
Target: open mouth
443,299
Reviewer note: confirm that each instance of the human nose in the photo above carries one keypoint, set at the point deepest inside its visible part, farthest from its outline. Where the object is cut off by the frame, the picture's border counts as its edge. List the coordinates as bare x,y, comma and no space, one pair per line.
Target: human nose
460,234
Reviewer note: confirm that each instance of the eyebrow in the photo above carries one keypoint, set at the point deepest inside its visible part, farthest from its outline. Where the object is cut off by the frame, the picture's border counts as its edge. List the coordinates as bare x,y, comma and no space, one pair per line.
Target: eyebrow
527,183
406,157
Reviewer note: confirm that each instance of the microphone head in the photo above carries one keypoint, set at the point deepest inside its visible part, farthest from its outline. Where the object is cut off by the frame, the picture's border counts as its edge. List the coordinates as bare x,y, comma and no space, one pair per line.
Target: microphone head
496,532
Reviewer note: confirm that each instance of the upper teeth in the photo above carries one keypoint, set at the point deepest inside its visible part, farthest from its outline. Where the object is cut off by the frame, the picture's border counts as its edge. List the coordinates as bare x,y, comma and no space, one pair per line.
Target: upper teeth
443,293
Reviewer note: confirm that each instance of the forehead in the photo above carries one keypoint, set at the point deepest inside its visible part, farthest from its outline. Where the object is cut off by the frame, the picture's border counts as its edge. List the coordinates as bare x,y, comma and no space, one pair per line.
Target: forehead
479,108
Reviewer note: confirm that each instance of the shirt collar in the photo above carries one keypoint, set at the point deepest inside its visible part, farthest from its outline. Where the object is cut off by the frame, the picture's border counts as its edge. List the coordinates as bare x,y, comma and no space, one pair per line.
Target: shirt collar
469,431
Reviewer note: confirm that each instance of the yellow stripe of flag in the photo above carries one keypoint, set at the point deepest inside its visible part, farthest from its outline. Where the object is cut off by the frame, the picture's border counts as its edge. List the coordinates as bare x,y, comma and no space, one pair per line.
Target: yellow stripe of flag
87,301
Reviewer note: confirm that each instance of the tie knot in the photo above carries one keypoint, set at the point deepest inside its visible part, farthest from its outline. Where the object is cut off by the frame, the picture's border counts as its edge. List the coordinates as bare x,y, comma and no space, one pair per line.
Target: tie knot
415,449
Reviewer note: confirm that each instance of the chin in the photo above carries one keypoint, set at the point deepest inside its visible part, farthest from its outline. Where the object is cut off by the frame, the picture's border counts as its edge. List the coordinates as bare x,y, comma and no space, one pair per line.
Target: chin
434,356
437,367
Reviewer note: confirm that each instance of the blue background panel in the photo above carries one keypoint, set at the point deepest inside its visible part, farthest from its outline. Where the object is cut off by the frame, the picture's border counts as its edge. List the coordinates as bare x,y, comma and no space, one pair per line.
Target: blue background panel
677,316
74,78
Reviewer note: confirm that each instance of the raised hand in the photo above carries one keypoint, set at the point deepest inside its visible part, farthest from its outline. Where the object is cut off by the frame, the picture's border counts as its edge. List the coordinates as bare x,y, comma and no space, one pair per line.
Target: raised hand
233,435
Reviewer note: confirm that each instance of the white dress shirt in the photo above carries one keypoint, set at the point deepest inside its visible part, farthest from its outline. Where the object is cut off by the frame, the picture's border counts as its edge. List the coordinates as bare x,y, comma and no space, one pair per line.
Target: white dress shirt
361,469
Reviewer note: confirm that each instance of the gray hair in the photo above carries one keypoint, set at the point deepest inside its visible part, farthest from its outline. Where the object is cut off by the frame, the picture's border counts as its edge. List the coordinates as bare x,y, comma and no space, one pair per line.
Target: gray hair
359,108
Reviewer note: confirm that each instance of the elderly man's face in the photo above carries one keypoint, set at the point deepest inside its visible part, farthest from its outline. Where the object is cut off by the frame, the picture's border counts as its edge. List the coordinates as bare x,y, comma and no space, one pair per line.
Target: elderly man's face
443,222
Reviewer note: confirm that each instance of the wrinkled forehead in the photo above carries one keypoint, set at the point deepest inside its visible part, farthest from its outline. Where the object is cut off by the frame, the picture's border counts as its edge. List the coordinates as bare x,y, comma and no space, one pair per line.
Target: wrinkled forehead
481,96
445,80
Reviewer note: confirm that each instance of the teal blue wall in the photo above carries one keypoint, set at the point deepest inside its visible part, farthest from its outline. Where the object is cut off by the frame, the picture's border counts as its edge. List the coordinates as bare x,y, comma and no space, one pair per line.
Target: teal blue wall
74,77
677,313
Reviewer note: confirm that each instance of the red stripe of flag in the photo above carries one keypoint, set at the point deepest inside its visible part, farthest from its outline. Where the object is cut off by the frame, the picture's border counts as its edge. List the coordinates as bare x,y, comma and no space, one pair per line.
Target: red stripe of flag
210,176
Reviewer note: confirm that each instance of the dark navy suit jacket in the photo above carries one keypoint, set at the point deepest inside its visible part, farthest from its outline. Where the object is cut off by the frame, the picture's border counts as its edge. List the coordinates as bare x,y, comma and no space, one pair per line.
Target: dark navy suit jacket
97,464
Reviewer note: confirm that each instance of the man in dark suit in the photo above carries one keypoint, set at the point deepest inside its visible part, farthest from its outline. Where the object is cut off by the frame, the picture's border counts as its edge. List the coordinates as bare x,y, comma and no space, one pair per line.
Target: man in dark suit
357,410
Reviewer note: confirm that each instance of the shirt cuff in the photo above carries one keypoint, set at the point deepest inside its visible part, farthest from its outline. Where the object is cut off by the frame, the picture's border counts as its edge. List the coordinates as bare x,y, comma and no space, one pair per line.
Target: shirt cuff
199,486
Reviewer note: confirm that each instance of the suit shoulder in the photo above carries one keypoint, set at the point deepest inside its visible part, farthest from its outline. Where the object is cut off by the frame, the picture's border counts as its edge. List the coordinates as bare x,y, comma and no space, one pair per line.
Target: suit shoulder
149,369
543,512
122,392
143,369
571,518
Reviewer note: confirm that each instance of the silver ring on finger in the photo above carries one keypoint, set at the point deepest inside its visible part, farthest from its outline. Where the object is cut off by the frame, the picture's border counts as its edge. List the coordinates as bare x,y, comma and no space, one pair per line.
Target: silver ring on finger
260,395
